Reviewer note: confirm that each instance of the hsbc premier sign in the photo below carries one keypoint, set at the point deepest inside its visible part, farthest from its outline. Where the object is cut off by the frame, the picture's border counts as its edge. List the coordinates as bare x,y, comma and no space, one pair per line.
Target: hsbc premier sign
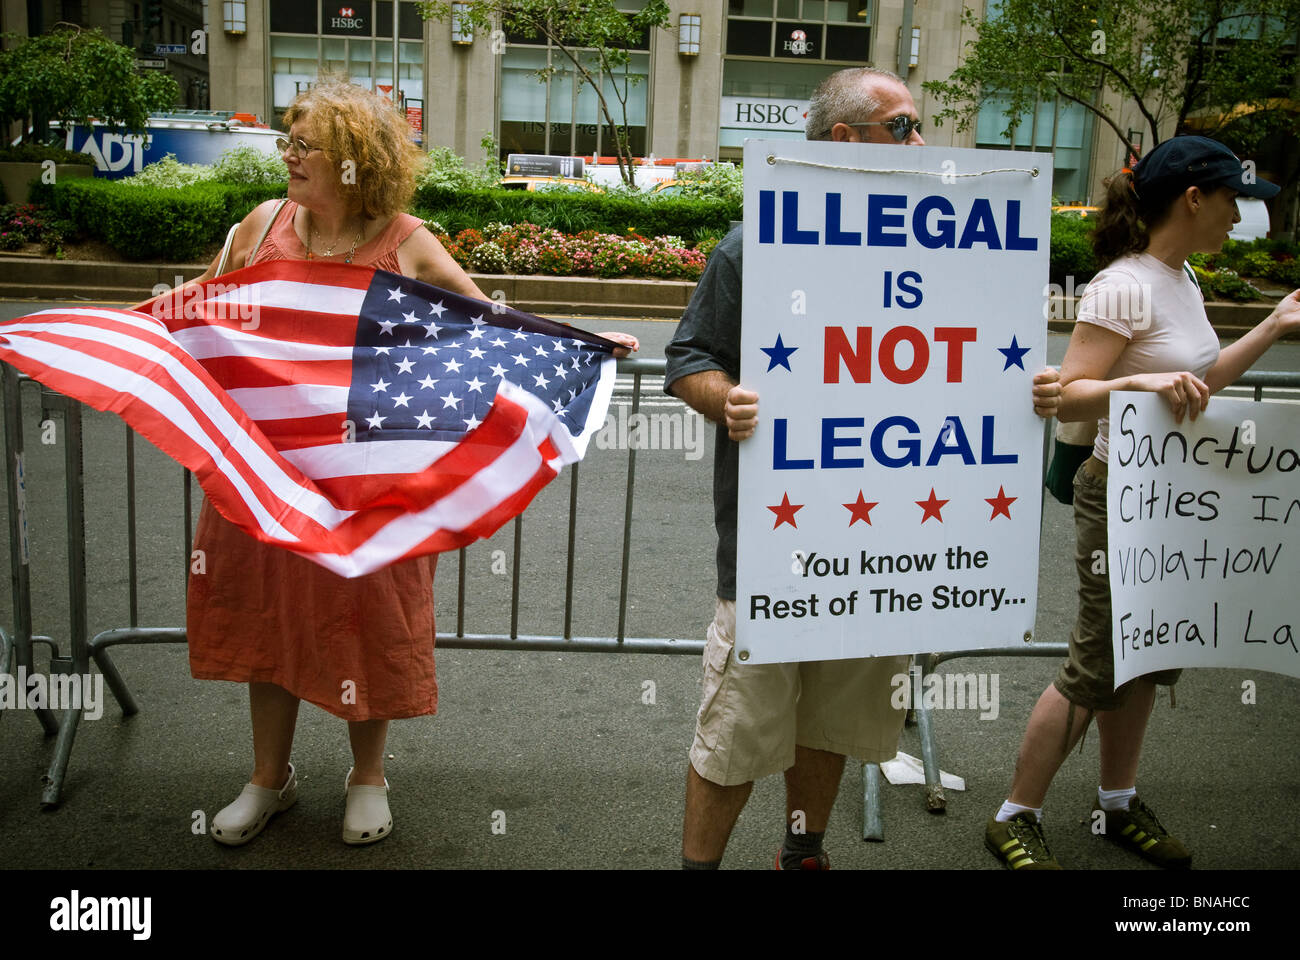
756,113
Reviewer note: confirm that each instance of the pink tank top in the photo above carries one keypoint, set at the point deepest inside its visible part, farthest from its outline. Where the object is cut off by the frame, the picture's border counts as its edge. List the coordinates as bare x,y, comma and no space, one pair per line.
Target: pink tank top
379,251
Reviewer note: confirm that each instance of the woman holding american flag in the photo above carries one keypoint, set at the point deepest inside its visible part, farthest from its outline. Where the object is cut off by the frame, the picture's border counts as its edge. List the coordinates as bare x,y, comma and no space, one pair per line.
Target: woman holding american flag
360,647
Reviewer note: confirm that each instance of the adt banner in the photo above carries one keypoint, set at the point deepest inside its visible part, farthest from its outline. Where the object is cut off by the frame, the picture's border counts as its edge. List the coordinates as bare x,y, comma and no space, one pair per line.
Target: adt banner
1203,528
892,323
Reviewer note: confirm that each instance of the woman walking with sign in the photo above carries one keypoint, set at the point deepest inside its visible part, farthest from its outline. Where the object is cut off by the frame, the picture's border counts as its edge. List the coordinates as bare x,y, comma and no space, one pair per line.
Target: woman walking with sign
1141,326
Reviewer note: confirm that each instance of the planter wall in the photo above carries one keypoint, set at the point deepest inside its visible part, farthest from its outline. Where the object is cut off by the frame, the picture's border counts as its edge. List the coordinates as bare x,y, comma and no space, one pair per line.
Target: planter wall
17,177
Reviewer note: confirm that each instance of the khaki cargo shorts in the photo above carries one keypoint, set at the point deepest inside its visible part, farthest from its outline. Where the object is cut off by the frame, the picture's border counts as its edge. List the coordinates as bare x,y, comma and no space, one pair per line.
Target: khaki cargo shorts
753,715
1087,678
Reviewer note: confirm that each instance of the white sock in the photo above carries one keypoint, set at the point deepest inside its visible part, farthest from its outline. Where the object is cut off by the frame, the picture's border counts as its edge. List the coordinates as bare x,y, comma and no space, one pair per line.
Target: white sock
1115,799
1009,810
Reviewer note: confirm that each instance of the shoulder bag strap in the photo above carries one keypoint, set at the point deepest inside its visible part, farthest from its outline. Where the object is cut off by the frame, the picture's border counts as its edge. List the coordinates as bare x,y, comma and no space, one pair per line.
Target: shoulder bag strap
230,237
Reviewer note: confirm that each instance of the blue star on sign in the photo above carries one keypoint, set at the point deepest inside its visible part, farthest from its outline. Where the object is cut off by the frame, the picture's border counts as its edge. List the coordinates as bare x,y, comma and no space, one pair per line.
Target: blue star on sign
1014,354
779,355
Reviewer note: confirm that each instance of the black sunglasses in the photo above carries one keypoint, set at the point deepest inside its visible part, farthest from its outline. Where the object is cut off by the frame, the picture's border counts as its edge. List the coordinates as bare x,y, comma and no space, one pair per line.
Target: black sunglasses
901,126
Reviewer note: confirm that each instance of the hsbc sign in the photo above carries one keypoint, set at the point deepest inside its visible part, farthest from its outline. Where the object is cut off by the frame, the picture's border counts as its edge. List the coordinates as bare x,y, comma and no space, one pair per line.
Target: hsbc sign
756,113
340,18
347,19
798,43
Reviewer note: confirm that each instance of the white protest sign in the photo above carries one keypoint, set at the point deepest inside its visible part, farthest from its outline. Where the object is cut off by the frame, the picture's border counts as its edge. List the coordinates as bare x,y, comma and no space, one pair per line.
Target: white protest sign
1203,530
892,323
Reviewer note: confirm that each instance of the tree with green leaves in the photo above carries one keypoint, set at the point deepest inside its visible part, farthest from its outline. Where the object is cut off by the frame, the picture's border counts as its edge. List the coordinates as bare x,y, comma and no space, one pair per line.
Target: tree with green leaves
75,76
594,35
1228,69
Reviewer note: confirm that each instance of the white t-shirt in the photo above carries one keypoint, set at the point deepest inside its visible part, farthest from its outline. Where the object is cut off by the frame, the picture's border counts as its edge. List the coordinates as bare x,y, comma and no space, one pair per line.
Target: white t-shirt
1161,312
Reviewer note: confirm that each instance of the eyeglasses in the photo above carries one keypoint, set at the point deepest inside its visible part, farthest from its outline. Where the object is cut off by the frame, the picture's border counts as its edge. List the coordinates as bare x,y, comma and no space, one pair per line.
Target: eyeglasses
300,146
901,126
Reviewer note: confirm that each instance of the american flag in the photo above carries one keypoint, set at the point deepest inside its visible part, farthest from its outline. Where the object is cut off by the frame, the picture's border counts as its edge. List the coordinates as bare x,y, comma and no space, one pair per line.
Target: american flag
352,415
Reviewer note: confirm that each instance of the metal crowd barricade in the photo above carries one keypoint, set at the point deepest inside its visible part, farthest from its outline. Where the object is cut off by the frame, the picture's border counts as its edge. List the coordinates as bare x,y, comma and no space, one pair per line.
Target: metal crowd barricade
83,648
16,652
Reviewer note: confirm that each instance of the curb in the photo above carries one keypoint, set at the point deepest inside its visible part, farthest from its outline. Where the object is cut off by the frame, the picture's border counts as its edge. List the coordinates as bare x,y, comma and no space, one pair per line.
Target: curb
40,278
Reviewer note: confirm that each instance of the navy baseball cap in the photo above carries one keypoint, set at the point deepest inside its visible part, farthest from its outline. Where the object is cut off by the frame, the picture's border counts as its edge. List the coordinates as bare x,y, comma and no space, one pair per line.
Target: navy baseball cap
1183,161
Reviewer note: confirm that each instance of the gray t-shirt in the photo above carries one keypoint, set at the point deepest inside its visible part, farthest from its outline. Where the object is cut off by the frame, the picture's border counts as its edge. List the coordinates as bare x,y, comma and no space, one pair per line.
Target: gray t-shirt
708,338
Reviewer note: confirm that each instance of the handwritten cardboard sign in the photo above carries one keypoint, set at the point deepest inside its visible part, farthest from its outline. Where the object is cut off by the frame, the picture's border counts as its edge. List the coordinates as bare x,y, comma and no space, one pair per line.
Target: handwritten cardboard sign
1203,528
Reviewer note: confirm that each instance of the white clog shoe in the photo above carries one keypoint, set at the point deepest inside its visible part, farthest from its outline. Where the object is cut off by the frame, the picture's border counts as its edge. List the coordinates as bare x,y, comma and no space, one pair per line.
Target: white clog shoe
241,821
367,818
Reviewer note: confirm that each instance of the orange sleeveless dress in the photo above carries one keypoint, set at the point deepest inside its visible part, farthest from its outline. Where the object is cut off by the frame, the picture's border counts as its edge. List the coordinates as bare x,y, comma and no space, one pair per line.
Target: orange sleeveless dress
362,648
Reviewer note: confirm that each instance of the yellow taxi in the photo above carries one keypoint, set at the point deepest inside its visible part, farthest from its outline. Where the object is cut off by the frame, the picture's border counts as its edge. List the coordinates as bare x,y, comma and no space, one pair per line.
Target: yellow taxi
1076,210
563,184
669,188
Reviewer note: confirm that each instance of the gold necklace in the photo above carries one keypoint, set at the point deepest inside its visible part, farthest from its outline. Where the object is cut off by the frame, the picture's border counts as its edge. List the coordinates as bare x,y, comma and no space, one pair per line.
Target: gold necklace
313,238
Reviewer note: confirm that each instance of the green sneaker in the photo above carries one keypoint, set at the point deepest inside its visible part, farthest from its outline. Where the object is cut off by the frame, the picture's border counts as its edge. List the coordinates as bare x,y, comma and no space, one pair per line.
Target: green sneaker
1137,829
1019,843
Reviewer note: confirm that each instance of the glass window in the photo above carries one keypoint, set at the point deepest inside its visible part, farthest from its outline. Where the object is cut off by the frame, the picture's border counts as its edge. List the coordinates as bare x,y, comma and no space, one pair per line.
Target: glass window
1070,146
562,94
294,16
575,123
799,41
750,8
749,38
633,87
294,66
410,26
359,52
847,43
334,55
849,11
522,96
778,81
804,30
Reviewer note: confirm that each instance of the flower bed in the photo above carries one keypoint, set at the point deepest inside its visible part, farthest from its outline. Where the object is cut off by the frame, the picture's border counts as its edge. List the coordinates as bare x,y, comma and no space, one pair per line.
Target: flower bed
528,249
29,223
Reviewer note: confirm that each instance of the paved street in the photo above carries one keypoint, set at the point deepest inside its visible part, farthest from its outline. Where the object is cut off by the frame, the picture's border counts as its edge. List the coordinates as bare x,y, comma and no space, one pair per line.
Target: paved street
586,773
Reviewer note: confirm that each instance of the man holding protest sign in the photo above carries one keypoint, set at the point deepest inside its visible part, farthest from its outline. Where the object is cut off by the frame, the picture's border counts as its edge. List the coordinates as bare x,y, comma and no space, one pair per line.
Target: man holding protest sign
801,718
1141,327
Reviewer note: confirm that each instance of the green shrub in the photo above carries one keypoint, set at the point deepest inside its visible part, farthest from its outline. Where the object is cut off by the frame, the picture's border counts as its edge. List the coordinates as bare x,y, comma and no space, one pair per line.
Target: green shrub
169,174
40,152
721,180
56,233
173,225
248,165
1071,250
1224,284
446,170
691,218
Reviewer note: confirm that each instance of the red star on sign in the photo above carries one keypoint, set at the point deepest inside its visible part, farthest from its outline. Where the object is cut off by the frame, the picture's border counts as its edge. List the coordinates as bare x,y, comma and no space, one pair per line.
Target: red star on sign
785,512
931,507
861,510
1001,503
